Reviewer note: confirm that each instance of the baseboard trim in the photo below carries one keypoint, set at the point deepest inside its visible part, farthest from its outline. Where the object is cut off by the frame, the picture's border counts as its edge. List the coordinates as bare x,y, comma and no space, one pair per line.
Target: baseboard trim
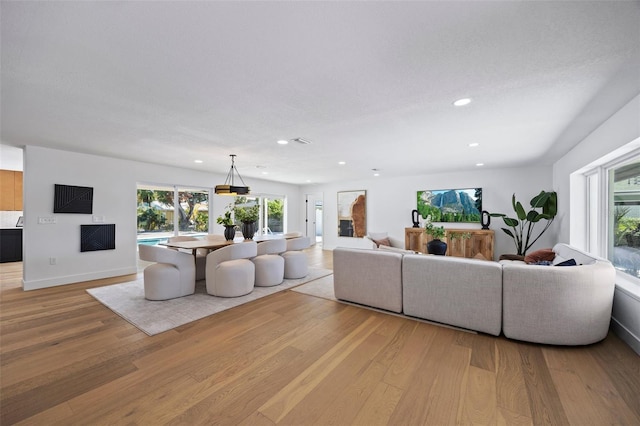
626,335
72,279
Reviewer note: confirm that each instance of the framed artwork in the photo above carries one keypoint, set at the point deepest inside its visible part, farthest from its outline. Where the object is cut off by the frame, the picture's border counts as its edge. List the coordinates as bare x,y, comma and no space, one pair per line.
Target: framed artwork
451,205
72,199
352,214
97,237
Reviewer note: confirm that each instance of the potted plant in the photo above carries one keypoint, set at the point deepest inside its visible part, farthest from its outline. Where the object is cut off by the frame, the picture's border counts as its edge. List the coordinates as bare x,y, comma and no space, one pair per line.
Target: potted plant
543,206
436,245
226,221
248,216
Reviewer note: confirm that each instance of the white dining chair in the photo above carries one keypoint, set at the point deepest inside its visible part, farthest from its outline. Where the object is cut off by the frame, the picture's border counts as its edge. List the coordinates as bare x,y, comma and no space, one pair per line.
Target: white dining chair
296,264
269,264
200,257
230,272
174,274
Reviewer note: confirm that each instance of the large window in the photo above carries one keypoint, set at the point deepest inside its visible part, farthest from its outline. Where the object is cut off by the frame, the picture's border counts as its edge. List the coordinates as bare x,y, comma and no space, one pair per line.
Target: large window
613,213
166,211
624,217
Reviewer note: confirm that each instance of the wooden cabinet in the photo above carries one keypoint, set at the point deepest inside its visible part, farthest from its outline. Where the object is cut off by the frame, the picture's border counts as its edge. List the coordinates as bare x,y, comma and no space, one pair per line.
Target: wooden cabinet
479,241
10,190
11,245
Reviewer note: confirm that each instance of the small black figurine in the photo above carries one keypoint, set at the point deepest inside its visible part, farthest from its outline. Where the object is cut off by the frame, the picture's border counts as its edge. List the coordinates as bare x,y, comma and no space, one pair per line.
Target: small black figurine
486,219
414,218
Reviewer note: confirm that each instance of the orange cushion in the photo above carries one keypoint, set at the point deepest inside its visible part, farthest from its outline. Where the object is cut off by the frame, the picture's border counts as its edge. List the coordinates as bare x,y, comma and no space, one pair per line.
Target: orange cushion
540,255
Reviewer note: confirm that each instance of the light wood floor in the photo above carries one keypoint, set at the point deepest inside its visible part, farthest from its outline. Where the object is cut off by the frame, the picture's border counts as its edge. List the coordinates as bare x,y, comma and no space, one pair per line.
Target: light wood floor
291,359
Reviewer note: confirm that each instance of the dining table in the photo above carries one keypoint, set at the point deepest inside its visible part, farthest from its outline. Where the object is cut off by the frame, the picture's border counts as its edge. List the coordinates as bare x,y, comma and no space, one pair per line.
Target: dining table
194,245
214,244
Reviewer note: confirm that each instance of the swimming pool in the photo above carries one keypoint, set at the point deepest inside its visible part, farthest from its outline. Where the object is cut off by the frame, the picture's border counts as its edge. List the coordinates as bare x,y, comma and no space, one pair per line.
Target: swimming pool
152,241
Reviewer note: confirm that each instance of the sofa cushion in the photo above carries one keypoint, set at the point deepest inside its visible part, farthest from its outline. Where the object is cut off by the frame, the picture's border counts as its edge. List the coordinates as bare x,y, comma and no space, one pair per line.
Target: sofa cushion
452,290
368,277
582,258
382,242
545,254
570,262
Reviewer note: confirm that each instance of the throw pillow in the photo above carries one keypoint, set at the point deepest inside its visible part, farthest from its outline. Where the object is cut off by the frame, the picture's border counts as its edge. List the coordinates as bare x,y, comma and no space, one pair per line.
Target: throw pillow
540,255
570,262
511,257
382,242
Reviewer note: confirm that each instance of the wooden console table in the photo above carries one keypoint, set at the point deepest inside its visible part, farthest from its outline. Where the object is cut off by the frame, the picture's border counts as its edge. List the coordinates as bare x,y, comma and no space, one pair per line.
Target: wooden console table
481,241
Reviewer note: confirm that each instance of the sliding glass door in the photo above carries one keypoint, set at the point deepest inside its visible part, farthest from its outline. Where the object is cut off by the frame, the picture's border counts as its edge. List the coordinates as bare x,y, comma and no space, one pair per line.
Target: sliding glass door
271,217
166,211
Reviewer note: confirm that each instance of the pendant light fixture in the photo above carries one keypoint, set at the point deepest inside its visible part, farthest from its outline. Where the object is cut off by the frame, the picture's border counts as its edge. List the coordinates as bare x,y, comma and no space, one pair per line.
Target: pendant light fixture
229,187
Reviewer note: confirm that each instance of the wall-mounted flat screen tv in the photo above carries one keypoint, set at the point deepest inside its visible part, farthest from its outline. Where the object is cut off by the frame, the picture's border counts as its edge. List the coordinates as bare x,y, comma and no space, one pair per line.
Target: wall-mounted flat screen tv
73,199
451,205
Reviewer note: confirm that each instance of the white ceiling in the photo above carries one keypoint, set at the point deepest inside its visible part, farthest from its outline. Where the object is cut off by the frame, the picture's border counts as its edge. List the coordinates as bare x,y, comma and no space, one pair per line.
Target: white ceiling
369,83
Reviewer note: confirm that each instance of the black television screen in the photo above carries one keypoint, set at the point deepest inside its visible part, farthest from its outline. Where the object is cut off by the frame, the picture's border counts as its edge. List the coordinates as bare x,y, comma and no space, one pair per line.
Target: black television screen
73,199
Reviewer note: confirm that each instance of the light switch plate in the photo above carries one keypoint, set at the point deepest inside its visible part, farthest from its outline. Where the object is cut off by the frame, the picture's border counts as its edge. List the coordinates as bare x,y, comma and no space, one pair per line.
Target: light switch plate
46,220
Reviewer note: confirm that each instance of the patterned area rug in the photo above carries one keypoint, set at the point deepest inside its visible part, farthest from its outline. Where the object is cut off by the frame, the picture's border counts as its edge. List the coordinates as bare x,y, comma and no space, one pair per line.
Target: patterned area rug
153,317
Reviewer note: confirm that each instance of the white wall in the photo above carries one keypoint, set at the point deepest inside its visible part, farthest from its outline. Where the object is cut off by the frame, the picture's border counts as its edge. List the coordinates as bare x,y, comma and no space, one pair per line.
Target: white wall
390,201
114,182
618,131
621,132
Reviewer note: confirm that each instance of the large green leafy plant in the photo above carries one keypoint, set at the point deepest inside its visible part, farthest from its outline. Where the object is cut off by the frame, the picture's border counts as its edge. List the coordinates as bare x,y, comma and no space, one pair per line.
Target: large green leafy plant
544,206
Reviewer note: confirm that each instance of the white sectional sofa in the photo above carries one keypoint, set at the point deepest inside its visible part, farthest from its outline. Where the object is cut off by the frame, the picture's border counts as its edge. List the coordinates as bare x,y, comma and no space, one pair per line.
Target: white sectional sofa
561,305
558,305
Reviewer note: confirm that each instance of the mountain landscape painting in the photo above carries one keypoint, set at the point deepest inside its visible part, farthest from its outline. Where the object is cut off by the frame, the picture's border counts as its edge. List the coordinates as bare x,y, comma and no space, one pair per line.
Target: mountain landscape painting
451,205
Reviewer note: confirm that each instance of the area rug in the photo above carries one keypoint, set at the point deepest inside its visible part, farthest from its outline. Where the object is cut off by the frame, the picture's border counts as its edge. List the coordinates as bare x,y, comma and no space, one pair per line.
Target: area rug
153,317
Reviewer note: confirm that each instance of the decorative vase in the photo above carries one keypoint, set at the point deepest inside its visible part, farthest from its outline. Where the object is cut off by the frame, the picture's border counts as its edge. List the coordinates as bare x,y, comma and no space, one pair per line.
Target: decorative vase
437,247
229,232
248,230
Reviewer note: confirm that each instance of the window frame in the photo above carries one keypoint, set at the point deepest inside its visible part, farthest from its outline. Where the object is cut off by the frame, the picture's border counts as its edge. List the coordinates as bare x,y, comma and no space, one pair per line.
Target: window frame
600,214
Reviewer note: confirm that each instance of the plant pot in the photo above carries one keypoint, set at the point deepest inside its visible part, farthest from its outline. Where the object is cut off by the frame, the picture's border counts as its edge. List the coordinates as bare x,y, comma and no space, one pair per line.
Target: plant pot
248,230
437,247
229,232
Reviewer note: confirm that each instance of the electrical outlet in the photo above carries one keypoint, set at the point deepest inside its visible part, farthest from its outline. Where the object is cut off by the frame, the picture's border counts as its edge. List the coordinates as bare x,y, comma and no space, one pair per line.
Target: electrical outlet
98,219
47,220
53,261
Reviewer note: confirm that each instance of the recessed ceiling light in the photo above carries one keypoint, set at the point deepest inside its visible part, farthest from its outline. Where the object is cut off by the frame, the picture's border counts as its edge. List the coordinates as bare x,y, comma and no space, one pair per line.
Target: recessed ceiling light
283,142
342,163
473,144
265,173
197,161
376,172
479,164
462,102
